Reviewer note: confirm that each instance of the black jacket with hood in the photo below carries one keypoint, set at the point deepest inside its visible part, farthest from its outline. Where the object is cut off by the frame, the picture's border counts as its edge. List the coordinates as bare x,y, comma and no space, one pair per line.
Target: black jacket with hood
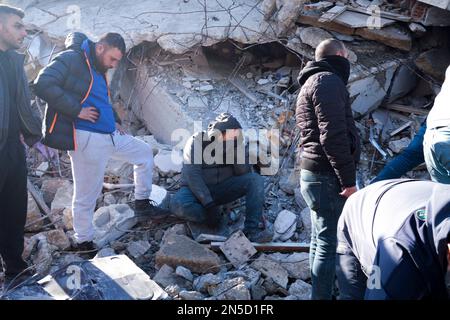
328,133
198,175
64,84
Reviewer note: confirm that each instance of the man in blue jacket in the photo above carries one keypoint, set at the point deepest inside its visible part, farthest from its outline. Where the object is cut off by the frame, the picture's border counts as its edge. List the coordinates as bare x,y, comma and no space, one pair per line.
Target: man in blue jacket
394,241
80,118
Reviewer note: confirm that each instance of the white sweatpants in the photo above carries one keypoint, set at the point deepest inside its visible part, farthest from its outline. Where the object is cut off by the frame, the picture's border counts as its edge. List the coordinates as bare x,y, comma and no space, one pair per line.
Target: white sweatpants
88,169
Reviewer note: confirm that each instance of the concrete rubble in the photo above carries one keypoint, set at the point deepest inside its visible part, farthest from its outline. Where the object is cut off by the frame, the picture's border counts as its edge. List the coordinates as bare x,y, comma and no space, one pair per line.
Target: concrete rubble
186,63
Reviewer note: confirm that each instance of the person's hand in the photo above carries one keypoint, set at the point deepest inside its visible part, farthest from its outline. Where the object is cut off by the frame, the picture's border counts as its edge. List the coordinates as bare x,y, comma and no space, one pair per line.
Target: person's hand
120,129
213,216
90,114
347,192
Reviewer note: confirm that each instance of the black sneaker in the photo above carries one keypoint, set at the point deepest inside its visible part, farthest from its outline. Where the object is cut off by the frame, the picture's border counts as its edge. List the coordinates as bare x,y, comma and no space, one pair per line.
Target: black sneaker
86,249
150,209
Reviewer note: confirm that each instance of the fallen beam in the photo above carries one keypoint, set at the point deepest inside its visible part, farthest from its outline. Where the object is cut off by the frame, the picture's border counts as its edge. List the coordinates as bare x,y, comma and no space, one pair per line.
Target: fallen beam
408,109
401,128
271,246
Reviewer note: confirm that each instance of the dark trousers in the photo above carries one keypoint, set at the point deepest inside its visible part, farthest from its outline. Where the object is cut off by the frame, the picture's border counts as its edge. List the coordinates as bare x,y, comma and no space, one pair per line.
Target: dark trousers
351,279
251,185
13,205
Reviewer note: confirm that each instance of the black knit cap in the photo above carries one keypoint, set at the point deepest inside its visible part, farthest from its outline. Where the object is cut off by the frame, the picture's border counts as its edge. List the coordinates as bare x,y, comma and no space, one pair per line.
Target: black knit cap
224,121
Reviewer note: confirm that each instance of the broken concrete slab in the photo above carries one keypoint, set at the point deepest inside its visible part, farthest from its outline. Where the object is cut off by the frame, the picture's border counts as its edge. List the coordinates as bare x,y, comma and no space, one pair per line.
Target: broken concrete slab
398,146
231,289
296,264
138,248
34,220
404,81
301,203
190,295
111,222
178,229
238,249
434,62
105,252
284,225
366,94
271,269
393,36
50,187
62,201
313,36
182,251
58,238
166,276
205,282
250,275
184,273
288,12
289,180
301,290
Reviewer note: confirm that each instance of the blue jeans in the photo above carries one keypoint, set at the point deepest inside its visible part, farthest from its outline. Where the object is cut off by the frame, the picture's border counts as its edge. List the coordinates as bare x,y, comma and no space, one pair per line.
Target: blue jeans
436,149
185,205
321,193
410,158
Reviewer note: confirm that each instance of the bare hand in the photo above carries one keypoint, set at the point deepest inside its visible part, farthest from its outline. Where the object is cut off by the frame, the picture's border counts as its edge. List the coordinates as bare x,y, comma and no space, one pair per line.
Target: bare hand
89,114
120,129
347,192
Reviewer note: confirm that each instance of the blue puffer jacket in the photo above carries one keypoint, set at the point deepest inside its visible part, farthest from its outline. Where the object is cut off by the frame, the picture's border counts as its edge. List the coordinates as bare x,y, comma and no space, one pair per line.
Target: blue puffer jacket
65,84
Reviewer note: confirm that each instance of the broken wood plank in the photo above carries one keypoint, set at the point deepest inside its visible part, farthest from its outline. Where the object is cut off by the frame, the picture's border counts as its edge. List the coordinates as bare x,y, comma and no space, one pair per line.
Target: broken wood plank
383,14
408,109
401,128
332,14
272,246
243,89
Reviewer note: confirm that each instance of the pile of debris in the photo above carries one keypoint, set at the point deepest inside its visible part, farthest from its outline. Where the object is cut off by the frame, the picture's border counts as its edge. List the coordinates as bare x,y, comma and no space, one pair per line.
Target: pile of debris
180,71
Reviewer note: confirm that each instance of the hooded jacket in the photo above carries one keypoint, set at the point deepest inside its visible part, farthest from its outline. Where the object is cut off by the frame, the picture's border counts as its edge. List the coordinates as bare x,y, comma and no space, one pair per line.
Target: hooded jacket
200,175
401,226
30,122
323,114
65,84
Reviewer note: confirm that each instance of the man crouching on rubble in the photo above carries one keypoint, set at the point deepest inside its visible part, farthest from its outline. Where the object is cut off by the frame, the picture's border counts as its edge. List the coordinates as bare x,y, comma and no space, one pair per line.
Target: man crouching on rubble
394,242
80,118
213,176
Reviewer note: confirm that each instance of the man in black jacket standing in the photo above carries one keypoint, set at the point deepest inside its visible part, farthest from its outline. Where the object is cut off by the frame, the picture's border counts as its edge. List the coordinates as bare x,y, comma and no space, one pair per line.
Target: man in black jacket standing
330,151
215,172
16,118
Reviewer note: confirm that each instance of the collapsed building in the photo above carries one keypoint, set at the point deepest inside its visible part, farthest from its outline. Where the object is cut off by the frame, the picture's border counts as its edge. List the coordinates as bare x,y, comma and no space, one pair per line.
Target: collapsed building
187,61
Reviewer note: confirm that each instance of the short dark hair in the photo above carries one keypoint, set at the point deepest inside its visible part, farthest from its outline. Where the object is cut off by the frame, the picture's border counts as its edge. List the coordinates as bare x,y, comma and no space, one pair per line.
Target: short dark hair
114,40
6,10
329,47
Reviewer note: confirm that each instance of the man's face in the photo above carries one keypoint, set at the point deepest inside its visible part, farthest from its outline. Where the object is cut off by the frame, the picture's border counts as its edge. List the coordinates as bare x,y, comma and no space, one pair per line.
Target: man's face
12,31
231,135
107,57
